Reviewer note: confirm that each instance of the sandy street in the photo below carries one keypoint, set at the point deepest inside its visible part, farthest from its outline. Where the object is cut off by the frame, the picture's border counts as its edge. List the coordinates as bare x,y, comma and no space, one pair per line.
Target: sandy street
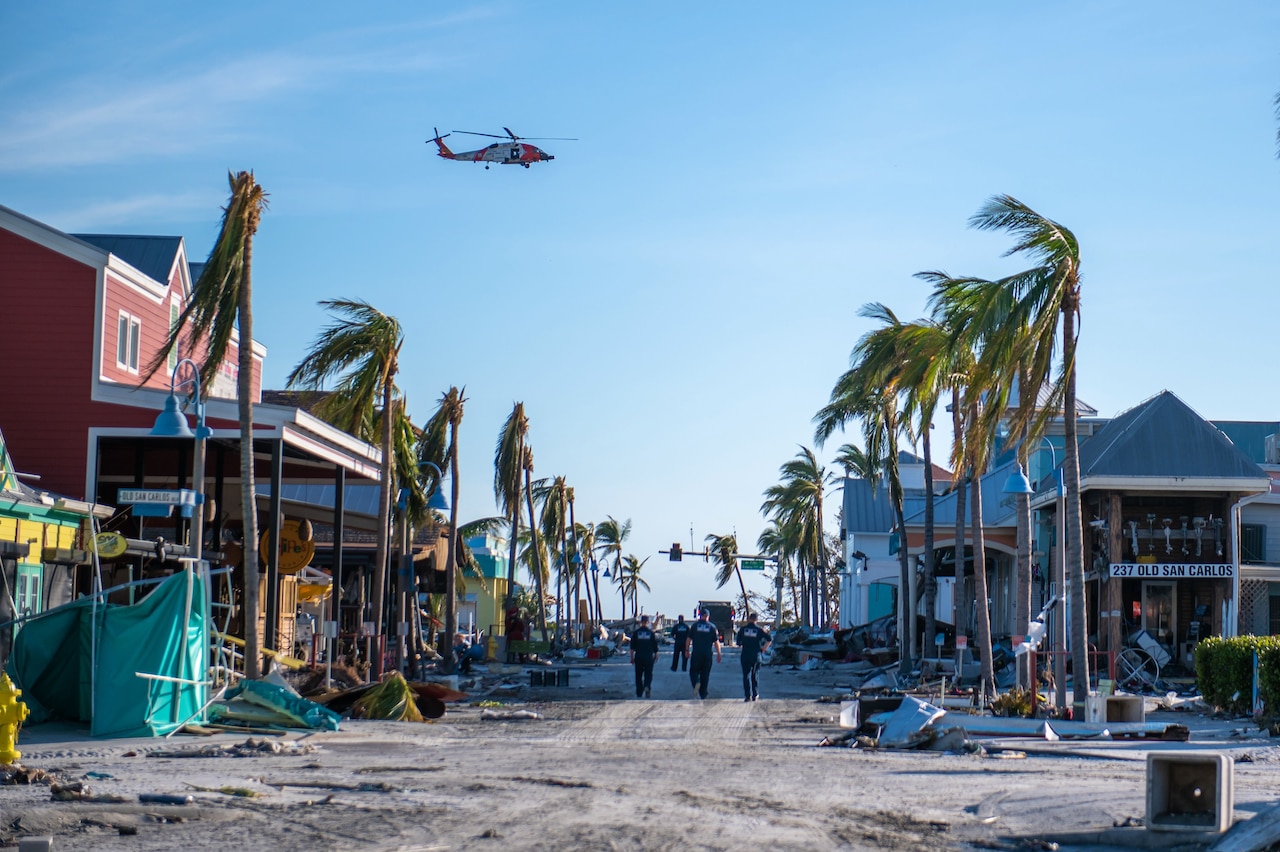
604,770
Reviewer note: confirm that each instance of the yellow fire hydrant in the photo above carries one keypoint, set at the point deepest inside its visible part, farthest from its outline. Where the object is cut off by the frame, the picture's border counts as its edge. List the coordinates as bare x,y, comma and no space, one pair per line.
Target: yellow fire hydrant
12,714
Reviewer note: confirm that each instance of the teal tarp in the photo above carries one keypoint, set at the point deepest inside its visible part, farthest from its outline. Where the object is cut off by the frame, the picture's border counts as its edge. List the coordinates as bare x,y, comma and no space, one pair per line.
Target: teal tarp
164,634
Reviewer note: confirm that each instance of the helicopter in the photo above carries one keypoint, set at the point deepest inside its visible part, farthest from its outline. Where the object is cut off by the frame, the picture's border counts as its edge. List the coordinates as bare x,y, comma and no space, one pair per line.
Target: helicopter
512,152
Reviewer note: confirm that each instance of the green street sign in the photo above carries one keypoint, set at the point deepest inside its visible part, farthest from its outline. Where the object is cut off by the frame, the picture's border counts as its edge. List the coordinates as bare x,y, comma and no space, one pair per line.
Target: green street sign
752,564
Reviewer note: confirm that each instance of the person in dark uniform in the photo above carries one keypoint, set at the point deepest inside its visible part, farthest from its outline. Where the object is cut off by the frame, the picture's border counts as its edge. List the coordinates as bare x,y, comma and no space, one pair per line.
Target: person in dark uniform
703,639
680,635
644,650
753,639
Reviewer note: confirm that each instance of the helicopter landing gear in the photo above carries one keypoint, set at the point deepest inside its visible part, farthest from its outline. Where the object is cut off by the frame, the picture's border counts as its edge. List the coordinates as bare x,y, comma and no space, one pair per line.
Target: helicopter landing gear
486,167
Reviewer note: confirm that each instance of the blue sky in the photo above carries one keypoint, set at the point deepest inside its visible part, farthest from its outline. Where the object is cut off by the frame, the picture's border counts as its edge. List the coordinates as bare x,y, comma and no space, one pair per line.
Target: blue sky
674,296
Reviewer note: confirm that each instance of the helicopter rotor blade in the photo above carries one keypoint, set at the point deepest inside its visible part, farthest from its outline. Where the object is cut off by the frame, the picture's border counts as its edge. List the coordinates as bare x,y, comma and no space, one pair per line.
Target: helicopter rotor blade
473,133
551,138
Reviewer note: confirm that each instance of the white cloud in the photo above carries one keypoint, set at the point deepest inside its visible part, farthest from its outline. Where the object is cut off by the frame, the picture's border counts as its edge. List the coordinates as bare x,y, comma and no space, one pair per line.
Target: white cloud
124,211
98,118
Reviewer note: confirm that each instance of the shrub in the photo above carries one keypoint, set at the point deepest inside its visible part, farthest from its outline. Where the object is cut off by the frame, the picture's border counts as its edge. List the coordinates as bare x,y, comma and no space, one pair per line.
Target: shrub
1224,672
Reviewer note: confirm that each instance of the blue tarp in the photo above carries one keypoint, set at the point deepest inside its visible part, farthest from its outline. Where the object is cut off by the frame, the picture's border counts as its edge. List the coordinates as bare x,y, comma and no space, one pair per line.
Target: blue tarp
164,634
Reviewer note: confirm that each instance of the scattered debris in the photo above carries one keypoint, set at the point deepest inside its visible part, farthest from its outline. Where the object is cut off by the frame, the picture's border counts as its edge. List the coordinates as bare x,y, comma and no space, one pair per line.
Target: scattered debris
392,699
242,792
553,782
505,715
16,773
248,748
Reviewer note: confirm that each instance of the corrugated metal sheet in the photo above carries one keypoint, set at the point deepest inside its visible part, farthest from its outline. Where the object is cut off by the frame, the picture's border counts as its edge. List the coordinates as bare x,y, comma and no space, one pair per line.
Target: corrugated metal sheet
153,256
1164,437
871,511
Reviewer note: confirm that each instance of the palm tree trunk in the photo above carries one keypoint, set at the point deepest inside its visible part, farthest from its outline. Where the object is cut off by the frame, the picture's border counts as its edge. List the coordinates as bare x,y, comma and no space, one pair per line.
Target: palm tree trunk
823,560
450,581
248,499
930,565
1071,505
537,554
960,598
380,566
983,612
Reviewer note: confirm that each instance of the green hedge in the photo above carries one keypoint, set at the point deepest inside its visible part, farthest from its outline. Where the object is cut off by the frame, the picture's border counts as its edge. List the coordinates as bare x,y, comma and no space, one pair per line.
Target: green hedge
1224,672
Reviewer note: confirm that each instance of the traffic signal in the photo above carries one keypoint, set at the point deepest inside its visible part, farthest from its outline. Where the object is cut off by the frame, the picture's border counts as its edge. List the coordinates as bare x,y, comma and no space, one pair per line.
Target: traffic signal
676,554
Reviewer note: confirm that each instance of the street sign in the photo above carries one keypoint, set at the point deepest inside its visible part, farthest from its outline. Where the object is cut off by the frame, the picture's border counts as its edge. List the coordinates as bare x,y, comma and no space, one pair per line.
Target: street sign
752,564
181,497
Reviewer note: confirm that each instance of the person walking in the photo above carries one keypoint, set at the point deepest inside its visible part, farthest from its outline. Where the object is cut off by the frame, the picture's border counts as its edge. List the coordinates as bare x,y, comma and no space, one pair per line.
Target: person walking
644,651
753,639
680,635
703,639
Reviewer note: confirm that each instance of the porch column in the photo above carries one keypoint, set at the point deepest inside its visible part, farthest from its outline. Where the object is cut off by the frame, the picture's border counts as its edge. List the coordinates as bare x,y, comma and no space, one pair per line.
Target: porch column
339,520
270,637
1112,601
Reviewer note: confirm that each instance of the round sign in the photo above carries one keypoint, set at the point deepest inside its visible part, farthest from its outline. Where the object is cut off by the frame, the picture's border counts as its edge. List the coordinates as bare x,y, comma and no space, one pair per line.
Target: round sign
110,545
295,554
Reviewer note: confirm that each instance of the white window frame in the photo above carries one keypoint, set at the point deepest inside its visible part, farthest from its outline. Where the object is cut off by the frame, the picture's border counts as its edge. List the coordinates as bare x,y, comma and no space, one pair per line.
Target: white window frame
128,342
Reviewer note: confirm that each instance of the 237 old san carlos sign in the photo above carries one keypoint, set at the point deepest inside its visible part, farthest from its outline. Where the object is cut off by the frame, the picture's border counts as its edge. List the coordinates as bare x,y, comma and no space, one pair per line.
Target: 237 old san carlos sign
1173,570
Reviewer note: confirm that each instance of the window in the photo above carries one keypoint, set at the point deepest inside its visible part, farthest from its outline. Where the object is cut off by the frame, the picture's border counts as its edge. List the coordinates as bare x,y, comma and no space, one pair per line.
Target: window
1253,543
174,311
27,594
128,342
1275,614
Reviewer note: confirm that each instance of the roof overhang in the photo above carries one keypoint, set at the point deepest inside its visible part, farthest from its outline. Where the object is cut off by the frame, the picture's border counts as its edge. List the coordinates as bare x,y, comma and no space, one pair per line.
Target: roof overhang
1186,484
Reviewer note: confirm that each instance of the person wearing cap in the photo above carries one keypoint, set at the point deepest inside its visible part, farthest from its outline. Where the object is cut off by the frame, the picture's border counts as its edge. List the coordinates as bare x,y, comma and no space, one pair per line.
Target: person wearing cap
753,639
680,635
703,639
644,650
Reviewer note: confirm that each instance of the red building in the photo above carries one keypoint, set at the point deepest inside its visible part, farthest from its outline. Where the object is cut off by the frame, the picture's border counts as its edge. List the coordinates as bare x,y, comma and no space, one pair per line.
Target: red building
85,316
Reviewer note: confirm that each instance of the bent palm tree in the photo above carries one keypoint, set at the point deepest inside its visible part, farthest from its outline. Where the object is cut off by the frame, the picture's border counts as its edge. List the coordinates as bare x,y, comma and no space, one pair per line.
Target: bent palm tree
508,474
222,302
1046,300
361,350
724,553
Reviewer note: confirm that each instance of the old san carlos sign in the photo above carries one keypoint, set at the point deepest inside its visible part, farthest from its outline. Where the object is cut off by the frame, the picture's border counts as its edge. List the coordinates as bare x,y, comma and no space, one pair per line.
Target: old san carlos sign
1173,570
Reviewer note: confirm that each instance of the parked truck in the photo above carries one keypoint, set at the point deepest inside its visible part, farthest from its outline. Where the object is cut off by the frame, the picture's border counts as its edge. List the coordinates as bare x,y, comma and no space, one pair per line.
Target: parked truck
720,613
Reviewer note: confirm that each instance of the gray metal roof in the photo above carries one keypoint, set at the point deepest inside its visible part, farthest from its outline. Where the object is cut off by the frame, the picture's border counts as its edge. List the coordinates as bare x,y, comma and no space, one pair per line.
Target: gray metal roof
153,256
871,511
1164,437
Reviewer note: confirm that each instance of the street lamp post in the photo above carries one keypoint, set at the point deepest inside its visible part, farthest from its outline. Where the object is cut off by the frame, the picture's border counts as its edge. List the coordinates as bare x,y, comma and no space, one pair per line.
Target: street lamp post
172,423
1018,484
435,501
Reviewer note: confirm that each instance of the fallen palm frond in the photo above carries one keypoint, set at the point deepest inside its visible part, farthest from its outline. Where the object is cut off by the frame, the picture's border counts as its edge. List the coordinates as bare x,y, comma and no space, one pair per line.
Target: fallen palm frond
392,699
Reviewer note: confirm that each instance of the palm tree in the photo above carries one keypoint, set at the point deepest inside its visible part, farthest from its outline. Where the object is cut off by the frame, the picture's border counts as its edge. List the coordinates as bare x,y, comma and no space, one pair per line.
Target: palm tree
540,573
724,554
869,392
446,420
1046,300
798,500
222,303
610,535
774,541
361,350
508,474
631,582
